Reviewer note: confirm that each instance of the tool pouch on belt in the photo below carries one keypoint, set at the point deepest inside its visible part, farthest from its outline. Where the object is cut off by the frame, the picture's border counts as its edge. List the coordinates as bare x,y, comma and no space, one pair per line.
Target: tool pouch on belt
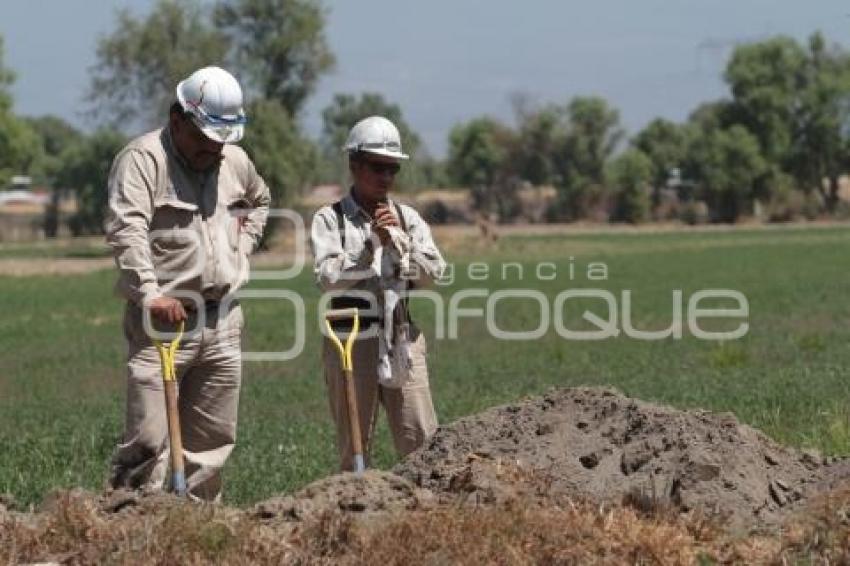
400,361
394,361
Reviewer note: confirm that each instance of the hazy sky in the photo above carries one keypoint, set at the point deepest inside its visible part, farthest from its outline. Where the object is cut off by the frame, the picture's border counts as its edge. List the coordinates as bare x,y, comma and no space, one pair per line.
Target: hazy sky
446,61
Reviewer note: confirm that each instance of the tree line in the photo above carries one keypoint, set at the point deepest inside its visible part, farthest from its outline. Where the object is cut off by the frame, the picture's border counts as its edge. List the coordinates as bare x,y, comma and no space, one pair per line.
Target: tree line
778,143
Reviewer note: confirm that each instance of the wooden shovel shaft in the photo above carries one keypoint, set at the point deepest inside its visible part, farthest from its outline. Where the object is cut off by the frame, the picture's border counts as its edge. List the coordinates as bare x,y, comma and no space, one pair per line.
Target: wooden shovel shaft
178,474
354,422
348,377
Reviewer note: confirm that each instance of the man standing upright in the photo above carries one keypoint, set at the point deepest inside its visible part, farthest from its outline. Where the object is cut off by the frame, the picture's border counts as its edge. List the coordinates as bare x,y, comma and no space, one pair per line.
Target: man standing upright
368,252
186,208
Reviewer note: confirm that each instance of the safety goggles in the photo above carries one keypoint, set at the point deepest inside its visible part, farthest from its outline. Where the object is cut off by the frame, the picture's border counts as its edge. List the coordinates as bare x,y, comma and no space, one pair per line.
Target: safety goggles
208,119
224,129
387,145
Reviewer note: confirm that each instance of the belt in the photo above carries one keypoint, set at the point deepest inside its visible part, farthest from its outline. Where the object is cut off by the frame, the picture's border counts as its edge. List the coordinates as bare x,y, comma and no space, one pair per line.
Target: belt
366,322
346,302
208,305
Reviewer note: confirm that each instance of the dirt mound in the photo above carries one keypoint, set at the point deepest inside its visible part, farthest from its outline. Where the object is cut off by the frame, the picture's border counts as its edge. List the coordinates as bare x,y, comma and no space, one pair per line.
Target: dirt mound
372,492
598,444
594,446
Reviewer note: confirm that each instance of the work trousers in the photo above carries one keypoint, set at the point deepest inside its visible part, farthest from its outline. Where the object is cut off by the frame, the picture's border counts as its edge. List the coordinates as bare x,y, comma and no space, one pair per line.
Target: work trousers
209,370
409,409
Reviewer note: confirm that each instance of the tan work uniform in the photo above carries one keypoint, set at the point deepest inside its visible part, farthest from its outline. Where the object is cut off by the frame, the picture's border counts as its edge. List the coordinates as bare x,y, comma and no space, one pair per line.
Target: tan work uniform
410,410
181,233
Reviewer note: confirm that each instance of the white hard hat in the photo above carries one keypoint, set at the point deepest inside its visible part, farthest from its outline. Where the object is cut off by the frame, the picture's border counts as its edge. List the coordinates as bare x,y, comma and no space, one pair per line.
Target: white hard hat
213,98
377,135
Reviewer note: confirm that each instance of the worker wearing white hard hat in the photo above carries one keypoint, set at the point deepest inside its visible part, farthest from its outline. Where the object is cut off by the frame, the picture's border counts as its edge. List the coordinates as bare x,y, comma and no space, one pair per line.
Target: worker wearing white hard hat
213,99
376,136
370,251
186,208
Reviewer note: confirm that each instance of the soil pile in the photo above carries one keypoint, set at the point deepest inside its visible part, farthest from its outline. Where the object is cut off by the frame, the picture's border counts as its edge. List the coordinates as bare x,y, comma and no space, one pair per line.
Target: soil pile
549,474
598,444
374,491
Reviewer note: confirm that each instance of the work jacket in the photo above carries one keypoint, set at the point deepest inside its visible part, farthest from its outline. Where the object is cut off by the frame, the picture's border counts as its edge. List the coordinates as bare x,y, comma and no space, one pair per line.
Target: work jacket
343,269
178,232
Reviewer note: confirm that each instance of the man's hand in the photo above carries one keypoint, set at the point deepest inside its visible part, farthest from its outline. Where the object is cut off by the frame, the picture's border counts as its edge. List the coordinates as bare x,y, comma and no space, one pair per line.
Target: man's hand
384,218
167,309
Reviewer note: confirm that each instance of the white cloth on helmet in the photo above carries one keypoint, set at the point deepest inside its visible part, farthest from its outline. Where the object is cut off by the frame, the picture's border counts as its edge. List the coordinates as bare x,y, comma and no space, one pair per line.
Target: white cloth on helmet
394,360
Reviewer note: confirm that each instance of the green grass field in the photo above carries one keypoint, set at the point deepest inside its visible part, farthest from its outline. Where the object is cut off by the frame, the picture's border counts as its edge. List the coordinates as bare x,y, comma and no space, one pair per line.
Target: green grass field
79,248
62,378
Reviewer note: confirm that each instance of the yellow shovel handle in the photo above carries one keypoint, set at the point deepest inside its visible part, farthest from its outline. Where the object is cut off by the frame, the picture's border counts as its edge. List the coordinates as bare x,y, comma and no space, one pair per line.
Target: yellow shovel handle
348,377
344,350
168,354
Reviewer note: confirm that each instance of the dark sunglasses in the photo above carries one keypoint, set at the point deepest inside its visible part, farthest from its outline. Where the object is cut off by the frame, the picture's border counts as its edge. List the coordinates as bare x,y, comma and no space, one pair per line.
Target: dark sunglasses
379,168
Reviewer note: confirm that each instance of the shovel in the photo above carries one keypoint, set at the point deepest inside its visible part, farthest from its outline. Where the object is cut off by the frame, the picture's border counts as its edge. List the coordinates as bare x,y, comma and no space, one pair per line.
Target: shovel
348,377
167,354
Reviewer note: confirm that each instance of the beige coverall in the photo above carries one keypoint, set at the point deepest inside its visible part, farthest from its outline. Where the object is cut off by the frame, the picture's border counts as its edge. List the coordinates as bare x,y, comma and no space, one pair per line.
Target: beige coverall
410,410
188,235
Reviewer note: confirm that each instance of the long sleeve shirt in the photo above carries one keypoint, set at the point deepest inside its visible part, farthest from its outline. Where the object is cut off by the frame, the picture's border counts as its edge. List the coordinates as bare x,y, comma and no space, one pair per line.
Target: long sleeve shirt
174,231
337,268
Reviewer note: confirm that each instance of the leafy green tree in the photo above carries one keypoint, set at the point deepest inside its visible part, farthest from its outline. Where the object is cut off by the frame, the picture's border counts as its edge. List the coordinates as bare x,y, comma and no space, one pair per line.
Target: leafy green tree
718,114
726,165
434,173
55,136
85,169
542,141
819,152
19,147
139,65
283,156
55,133
280,44
765,79
7,79
594,133
479,152
19,150
796,100
630,175
567,146
663,142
